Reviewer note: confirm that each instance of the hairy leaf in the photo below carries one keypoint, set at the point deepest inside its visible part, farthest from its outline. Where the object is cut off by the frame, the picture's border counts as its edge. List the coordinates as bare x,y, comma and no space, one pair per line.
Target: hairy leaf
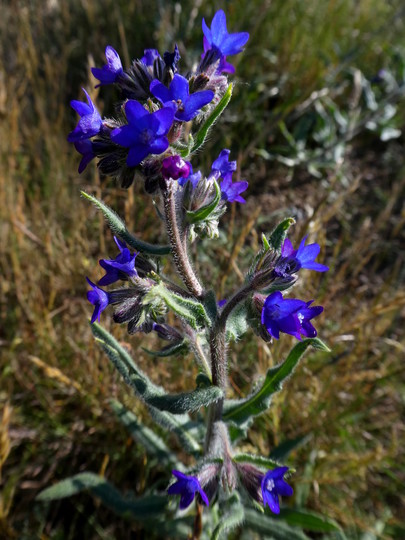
230,520
118,227
274,527
153,444
205,211
309,521
141,509
277,237
241,411
216,113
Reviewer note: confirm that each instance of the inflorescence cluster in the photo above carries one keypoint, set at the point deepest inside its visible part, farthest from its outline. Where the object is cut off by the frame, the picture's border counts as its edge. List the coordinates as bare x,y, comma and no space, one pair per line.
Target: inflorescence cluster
151,135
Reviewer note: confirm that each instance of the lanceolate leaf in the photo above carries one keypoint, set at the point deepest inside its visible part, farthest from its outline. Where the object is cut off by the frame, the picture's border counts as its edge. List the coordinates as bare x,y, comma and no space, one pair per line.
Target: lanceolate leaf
274,527
153,444
187,308
240,411
216,113
309,521
260,461
203,212
277,237
229,522
151,394
141,509
169,350
118,227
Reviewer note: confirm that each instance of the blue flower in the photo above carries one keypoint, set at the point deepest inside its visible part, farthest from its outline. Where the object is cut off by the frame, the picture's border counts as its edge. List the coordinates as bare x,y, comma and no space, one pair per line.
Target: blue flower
193,177
273,485
175,167
90,122
99,299
122,267
222,166
291,316
187,107
305,255
230,191
187,487
218,37
145,132
149,56
85,148
109,73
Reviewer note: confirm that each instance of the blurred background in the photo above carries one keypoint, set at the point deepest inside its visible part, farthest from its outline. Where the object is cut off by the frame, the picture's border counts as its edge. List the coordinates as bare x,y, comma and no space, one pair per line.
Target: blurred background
317,127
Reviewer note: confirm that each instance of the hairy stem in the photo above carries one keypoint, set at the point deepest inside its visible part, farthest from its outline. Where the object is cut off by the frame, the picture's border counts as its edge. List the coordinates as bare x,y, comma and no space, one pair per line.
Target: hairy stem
219,359
179,251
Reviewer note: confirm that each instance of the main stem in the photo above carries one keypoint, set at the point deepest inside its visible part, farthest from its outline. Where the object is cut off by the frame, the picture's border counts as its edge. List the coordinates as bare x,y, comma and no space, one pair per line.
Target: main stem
219,361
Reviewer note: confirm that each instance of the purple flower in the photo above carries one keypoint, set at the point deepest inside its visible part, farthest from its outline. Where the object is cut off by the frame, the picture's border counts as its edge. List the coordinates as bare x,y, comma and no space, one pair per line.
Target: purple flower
119,268
222,166
90,122
172,59
109,73
145,132
85,148
305,255
291,316
175,167
230,191
223,66
149,56
187,107
186,486
218,37
98,298
273,485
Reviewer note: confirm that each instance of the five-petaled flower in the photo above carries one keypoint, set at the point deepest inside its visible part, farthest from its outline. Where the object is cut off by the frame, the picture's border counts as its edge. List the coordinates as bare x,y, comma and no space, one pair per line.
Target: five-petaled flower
110,72
187,487
291,316
305,255
90,122
122,267
186,106
273,485
230,191
218,37
99,299
145,132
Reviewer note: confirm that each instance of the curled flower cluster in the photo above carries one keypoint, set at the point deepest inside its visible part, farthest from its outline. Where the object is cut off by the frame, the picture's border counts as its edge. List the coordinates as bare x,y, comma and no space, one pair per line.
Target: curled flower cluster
158,101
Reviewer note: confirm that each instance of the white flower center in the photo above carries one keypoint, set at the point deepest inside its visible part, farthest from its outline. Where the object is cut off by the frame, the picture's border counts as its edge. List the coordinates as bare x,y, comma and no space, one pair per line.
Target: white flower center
270,485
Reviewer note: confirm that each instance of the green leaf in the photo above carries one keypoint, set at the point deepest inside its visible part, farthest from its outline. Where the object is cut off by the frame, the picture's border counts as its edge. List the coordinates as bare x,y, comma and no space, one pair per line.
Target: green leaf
170,350
216,113
277,237
230,520
275,528
241,411
153,444
237,322
151,394
187,431
310,521
202,213
260,461
189,309
283,450
141,509
118,227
